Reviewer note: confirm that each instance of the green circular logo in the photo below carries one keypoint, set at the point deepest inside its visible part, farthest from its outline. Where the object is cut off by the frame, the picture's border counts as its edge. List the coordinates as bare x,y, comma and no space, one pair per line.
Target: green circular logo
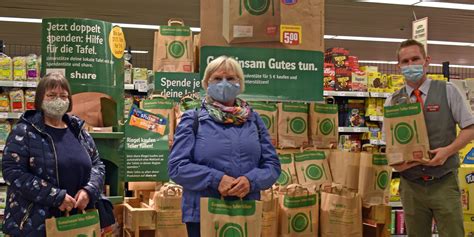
266,120
326,126
382,180
231,230
284,178
257,7
314,172
176,49
403,133
299,222
298,125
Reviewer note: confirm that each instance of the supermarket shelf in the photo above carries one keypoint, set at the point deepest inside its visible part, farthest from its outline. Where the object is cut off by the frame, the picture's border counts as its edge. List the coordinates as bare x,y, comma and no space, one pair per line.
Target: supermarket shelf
10,115
434,235
19,83
376,118
2,147
377,142
395,204
140,87
380,94
353,129
346,93
129,87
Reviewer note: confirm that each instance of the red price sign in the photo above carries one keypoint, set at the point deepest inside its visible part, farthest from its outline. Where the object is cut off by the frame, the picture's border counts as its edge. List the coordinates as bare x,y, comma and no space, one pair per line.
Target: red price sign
291,37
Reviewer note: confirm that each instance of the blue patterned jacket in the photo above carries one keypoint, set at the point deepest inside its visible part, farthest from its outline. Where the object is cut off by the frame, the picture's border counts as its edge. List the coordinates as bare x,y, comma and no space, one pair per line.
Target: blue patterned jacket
30,170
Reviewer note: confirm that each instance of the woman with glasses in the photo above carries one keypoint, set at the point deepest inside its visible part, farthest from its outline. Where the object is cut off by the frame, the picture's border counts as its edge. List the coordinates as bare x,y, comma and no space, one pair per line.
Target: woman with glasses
223,149
50,163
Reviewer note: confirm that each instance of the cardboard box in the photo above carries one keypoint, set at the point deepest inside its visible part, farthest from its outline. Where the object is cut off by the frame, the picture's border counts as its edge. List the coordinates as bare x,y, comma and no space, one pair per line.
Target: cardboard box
374,81
329,77
466,184
368,69
359,81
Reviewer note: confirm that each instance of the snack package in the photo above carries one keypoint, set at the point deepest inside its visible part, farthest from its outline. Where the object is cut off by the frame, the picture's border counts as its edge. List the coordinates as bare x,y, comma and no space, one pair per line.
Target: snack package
32,69
127,78
396,81
359,81
329,77
4,102
30,99
17,100
6,68
371,106
356,113
5,129
369,69
343,79
19,68
375,81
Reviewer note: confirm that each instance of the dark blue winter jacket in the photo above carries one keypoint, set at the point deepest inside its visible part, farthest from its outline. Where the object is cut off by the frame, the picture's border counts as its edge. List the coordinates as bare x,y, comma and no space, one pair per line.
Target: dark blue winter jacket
198,161
30,170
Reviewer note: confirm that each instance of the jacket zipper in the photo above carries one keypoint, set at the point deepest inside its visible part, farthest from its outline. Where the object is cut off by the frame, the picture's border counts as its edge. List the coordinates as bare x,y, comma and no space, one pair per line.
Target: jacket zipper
54,151
25,217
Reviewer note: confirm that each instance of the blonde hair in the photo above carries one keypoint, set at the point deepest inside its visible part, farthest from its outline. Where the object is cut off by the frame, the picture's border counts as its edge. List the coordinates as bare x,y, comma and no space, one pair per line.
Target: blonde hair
224,63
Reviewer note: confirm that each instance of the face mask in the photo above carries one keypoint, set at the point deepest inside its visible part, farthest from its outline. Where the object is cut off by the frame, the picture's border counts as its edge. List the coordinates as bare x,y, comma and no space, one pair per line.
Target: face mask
412,73
55,108
223,91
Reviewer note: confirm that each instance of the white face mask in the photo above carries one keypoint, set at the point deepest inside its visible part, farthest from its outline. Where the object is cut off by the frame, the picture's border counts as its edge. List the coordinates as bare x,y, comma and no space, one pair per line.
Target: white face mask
55,108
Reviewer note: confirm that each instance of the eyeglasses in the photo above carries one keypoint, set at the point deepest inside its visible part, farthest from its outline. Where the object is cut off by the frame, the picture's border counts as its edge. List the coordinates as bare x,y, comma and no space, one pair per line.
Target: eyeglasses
52,96
229,79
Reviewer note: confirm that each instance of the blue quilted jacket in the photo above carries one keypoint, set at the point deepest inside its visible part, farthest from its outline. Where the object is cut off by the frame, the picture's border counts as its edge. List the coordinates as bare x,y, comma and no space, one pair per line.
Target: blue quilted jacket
30,171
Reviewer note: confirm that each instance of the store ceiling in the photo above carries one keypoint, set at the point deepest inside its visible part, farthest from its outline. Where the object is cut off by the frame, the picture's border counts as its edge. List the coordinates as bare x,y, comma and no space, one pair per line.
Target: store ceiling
343,17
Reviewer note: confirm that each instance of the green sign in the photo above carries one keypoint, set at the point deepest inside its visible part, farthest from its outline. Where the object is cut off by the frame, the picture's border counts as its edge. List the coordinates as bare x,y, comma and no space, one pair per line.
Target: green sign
175,85
274,74
88,52
146,146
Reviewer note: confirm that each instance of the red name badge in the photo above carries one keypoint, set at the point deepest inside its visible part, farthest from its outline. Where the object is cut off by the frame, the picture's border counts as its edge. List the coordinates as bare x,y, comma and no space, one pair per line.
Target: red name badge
432,108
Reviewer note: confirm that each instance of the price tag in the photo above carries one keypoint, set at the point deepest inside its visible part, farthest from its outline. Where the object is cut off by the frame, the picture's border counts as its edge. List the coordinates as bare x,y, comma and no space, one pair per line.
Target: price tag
18,84
325,93
31,84
3,115
17,115
342,93
290,34
142,87
357,130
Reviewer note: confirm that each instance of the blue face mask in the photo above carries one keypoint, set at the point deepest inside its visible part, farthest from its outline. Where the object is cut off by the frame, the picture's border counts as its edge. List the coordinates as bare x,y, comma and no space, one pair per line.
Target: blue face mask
413,73
223,91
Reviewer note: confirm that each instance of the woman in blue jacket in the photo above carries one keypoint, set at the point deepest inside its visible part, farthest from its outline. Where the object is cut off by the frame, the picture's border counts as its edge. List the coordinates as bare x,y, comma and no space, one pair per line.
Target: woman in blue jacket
50,163
223,149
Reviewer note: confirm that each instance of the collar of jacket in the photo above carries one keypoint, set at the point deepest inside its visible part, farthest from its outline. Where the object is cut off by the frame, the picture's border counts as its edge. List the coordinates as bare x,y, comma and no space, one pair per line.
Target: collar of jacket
36,119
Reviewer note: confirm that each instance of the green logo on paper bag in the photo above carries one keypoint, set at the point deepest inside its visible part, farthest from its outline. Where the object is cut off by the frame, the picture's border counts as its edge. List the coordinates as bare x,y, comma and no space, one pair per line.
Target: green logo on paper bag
284,178
298,125
231,208
325,108
310,155
299,222
402,110
379,159
257,7
267,121
263,106
403,133
77,221
326,126
314,172
176,49
382,180
231,230
301,201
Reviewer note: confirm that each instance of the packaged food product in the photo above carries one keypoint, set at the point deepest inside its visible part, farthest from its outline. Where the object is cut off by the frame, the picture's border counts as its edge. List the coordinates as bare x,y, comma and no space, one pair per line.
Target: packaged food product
32,69
19,68
4,102
6,67
17,100
329,77
5,129
30,99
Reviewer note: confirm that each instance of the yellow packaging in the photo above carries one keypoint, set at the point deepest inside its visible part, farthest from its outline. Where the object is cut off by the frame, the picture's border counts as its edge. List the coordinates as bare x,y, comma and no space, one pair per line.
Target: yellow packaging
6,68
468,225
368,69
466,184
375,81
19,68
396,81
379,106
371,107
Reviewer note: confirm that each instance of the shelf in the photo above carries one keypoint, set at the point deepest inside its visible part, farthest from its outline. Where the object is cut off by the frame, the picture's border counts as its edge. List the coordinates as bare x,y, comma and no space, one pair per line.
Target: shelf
395,204
2,147
140,87
380,94
346,93
376,118
31,84
377,142
129,87
107,135
353,129
10,115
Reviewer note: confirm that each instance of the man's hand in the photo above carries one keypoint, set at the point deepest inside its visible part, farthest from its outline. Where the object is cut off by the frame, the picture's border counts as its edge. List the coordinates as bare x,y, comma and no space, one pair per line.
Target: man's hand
82,199
405,165
240,187
440,155
225,185
68,203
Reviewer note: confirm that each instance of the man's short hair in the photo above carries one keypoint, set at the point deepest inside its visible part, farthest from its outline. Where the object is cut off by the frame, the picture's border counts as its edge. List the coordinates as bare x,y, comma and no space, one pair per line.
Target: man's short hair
408,43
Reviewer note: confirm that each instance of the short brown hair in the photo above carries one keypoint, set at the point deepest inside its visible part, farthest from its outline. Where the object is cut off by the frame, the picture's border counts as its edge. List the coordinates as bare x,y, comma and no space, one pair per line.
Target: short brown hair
408,43
50,81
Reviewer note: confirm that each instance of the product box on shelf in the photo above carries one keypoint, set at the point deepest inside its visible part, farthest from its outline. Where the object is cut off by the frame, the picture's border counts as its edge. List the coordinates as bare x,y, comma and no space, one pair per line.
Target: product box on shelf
466,184
359,81
467,153
6,68
356,113
343,79
369,69
375,81
329,77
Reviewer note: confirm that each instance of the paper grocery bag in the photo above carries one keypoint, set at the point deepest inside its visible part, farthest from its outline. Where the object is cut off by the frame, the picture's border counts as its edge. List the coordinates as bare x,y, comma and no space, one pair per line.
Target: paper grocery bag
251,21
312,168
269,200
167,203
374,179
187,102
292,125
299,212
163,107
173,50
84,225
405,133
341,214
323,124
345,168
269,114
288,172
230,218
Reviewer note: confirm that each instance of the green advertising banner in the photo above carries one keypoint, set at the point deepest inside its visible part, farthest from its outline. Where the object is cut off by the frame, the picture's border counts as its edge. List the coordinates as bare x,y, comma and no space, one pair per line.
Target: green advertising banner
274,74
175,85
89,53
146,146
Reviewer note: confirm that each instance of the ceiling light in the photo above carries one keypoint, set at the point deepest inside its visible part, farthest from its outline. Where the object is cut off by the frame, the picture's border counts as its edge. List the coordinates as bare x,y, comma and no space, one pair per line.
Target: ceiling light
378,62
397,2
18,19
395,62
137,51
446,5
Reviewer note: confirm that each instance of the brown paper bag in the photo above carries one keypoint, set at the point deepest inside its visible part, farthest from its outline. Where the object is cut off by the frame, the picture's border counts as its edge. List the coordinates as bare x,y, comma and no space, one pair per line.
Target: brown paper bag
87,224
374,179
292,125
251,21
345,168
173,50
299,212
230,218
324,123
341,214
312,168
269,114
187,102
405,133
167,202
288,172
163,107
269,200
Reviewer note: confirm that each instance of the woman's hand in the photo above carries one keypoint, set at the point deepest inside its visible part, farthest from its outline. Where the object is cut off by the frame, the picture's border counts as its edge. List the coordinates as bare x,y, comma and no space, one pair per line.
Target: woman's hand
240,187
68,203
82,199
225,185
